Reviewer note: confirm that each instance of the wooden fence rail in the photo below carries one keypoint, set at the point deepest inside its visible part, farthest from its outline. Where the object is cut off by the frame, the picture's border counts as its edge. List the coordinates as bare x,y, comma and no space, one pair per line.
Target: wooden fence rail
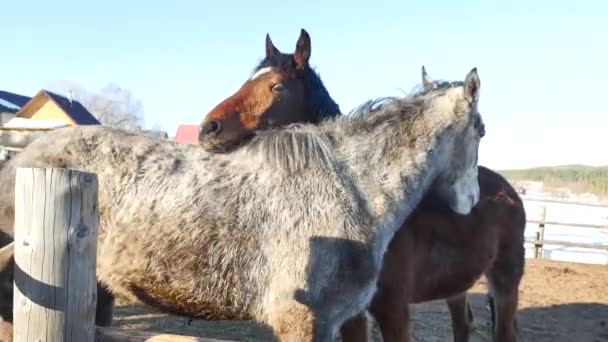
539,240
559,201
56,220
571,224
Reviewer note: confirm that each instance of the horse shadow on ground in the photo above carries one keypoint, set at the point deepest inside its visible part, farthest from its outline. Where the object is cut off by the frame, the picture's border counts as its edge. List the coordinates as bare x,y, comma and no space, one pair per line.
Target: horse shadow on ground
556,323
565,322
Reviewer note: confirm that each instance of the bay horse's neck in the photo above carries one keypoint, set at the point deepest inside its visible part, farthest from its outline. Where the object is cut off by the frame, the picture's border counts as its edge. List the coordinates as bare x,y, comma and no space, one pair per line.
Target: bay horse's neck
321,105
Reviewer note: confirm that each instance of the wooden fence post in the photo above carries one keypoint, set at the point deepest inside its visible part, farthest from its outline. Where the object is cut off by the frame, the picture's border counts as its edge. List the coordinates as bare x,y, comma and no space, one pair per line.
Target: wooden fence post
540,234
56,222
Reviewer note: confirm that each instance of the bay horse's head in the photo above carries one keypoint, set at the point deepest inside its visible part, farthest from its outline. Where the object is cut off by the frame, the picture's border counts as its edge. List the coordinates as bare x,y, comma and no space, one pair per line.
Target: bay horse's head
282,89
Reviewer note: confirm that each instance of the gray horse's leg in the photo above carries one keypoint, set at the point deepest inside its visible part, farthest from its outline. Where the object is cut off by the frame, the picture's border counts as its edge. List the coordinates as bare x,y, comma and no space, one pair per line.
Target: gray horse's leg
105,306
292,321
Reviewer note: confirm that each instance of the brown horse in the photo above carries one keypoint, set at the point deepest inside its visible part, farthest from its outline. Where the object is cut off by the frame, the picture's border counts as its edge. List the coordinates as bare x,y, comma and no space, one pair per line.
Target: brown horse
440,255
281,83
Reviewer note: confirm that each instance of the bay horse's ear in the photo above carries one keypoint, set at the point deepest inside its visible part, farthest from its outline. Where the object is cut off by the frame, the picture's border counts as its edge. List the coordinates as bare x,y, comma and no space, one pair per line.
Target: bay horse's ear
472,85
302,53
271,50
427,81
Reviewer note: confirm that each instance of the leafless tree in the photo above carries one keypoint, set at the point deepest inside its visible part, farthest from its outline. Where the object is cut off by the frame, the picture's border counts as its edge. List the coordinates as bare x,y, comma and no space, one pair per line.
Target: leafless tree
112,105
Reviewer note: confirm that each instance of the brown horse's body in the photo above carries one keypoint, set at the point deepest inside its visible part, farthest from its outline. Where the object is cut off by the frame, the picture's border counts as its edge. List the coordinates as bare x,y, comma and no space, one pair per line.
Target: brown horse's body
436,254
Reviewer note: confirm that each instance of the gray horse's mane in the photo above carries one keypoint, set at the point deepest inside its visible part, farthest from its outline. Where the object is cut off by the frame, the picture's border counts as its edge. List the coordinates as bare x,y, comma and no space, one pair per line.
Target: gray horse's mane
372,106
439,86
294,148
304,145
407,99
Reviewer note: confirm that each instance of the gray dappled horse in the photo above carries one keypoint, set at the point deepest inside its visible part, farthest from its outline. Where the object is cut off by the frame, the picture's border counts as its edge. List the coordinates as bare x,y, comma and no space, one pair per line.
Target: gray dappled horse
290,229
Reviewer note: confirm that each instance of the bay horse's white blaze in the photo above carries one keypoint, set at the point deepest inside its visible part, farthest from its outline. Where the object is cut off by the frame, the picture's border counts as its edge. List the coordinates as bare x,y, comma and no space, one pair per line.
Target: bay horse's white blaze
289,229
260,72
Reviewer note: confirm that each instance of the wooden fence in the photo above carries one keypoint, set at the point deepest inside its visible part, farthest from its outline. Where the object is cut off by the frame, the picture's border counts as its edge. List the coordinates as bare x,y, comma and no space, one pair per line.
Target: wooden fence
539,240
56,220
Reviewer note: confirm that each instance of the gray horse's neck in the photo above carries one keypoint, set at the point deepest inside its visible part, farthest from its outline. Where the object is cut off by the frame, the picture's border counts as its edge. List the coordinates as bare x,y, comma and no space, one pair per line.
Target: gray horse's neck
407,156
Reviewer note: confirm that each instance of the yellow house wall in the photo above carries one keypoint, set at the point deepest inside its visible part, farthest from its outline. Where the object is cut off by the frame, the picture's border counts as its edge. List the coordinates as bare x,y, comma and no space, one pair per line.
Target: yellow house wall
50,111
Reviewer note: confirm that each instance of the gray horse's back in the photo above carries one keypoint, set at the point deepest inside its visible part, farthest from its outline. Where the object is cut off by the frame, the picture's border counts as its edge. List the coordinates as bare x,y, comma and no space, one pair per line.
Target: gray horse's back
7,199
31,156
159,191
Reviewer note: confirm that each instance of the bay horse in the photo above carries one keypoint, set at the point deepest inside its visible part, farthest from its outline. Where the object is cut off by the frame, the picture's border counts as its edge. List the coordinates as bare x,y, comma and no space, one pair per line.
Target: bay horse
437,254
288,230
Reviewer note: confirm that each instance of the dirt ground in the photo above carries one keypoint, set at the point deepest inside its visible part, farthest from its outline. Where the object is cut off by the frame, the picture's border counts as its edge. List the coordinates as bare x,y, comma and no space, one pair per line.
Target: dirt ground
558,302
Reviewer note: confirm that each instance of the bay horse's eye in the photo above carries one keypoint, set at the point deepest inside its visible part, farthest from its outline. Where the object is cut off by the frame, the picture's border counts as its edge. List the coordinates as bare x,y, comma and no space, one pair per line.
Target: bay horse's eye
278,87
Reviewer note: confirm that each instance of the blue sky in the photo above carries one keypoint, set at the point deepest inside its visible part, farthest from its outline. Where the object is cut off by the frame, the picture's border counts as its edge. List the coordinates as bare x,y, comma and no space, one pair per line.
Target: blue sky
543,64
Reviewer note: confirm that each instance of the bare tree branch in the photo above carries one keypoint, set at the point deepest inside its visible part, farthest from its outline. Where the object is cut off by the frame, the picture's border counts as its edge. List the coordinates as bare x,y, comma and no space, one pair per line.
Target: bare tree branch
113,105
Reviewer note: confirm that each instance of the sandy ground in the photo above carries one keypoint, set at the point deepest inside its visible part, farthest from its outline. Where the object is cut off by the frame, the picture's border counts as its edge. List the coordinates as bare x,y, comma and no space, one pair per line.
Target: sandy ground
558,302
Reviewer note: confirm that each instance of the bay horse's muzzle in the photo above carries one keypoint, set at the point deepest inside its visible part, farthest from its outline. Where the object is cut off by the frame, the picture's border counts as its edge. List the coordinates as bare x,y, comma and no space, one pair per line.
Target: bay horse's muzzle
208,130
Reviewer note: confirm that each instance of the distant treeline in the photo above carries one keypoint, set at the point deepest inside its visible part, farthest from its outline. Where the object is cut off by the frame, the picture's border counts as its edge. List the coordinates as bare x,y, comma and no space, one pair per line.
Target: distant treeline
578,178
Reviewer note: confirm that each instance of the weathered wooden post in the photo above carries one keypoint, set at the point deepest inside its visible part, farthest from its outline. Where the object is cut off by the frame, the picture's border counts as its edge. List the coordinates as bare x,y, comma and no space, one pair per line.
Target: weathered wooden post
56,221
540,234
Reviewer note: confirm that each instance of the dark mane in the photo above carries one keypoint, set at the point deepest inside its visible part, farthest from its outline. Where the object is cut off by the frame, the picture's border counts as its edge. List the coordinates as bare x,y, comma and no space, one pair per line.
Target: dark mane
320,102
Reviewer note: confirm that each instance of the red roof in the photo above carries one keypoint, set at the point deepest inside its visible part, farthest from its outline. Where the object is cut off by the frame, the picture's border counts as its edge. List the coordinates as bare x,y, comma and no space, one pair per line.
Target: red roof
187,134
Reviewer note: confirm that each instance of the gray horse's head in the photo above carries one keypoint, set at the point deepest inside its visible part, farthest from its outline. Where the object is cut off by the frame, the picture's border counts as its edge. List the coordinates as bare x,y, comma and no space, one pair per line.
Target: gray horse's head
458,185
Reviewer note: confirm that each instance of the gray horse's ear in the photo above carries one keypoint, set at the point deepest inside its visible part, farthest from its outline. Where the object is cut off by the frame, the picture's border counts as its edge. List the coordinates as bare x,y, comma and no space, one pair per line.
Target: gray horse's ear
271,50
427,82
472,85
302,54
7,253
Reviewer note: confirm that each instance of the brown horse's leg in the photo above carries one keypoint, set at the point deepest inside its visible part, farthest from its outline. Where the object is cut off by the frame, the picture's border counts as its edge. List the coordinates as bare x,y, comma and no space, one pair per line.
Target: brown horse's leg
505,304
504,279
462,317
355,329
393,319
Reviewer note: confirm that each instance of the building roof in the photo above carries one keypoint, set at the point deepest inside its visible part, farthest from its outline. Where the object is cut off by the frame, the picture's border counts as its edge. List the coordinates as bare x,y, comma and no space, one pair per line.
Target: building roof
187,134
11,102
74,109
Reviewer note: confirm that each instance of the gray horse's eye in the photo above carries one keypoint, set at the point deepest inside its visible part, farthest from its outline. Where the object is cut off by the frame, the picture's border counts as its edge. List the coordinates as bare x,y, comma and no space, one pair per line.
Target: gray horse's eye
480,127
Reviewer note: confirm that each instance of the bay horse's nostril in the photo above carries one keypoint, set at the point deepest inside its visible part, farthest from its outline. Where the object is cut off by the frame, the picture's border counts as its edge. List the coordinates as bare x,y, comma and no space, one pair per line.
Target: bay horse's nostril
211,127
